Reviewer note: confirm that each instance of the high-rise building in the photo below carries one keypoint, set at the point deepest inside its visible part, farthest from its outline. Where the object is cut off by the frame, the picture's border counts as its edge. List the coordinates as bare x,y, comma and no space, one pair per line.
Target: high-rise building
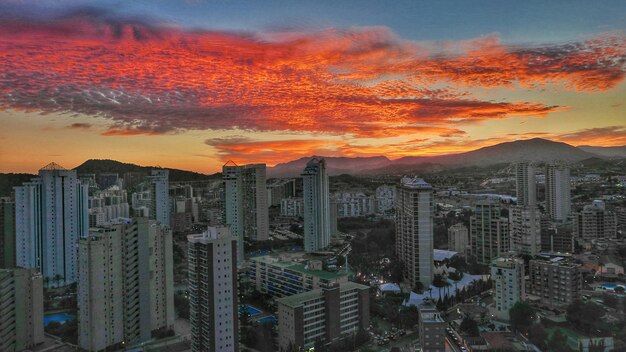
51,214
126,287
558,197
292,207
279,189
316,206
213,311
458,238
160,205
324,314
526,184
432,328
595,222
414,230
385,198
108,205
507,274
21,309
7,233
246,203
489,233
279,278
556,237
557,282
525,224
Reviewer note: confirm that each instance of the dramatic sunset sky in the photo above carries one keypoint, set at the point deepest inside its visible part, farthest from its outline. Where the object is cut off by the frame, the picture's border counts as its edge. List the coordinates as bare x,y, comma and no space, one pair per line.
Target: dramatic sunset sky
192,84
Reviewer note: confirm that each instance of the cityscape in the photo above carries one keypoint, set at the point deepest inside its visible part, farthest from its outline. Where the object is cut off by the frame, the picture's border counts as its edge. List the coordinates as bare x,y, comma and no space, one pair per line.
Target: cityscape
204,176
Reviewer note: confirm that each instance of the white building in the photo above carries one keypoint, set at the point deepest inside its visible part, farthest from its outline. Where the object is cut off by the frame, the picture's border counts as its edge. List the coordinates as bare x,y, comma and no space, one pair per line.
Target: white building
324,314
558,193
458,238
414,229
213,308
595,222
246,203
526,184
126,287
107,205
316,206
51,214
292,207
385,197
525,225
353,204
509,288
160,206
21,309
489,232
280,189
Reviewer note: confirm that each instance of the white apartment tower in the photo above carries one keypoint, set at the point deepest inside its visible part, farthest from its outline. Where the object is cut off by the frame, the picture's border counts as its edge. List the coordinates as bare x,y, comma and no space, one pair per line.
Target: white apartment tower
160,205
458,238
21,309
316,206
509,287
126,287
51,214
213,309
558,193
246,203
525,225
526,184
414,229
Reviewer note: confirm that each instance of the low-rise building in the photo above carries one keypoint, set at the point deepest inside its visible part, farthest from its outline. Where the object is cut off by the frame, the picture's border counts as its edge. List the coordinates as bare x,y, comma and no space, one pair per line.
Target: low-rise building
557,282
280,277
324,314
432,328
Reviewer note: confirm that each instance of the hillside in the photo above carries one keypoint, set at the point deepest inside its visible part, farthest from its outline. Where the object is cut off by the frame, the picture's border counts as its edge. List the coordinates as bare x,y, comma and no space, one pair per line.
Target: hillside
334,165
610,152
97,166
8,181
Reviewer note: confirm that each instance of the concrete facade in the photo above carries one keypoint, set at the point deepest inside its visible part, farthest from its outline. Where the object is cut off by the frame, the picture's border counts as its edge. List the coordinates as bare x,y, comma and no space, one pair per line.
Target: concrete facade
316,203
489,233
509,287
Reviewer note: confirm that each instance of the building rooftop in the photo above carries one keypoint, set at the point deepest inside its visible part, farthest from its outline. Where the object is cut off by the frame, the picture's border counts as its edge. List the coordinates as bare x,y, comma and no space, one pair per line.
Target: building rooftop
299,299
300,267
53,166
415,182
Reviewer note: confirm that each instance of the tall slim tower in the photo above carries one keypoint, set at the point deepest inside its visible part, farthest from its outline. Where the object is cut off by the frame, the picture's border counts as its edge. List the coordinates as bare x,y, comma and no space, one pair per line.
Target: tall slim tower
51,214
525,224
316,206
526,184
160,201
558,193
213,305
489,233
7,233
246,203
414,229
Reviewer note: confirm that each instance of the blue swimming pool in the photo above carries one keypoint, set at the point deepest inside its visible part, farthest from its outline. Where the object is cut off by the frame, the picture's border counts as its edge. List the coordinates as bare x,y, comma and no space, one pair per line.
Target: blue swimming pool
267,320
610,286
57,317
253,311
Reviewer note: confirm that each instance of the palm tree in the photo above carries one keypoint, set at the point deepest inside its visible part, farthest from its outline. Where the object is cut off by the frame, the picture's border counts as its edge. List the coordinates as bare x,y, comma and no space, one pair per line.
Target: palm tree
46,282
57,279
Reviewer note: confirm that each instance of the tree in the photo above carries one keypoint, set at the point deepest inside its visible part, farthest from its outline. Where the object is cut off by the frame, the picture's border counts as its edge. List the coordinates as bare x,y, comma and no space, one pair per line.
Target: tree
46,281
521,316
469,326
57,279
538,335
584,315
558,342
610,300
619,289
419,287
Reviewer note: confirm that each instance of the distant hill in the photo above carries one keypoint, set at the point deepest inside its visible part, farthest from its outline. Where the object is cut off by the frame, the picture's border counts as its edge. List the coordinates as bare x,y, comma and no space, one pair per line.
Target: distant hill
535,149
334,165
610,152
98,166
8,181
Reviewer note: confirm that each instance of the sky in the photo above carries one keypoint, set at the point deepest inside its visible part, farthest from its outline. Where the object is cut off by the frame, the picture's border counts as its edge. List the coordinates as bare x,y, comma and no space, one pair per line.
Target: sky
193,84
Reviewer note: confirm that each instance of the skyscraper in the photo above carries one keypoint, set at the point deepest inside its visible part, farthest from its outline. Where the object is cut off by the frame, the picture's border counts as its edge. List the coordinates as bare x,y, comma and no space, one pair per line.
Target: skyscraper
213,311
489,233
525,224
526,184
558,197
21,309
7,233
414,230
509,288
160,205
51,214
316,206
126,287
246,203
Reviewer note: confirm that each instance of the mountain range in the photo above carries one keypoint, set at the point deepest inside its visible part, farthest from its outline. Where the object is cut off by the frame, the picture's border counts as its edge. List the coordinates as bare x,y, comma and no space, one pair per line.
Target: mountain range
536,149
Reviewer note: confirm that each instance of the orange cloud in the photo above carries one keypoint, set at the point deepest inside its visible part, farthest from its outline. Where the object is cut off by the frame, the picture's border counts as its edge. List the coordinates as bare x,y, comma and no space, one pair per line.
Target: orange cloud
153,79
